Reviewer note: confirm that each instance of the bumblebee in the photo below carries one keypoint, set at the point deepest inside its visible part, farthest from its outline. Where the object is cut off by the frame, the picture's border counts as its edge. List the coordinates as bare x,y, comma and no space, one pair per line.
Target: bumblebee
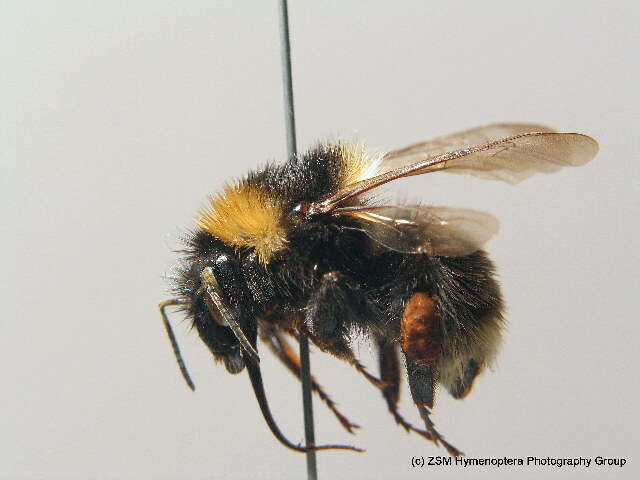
303,248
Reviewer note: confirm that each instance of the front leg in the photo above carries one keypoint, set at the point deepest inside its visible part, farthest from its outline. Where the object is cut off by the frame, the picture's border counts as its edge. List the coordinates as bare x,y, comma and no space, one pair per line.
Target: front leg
275,340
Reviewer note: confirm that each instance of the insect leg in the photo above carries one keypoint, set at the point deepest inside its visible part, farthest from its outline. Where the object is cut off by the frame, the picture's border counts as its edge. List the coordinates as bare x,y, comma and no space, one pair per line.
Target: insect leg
253,369
390,373
332,308
347,355
255,375
172,338
421,341
283,351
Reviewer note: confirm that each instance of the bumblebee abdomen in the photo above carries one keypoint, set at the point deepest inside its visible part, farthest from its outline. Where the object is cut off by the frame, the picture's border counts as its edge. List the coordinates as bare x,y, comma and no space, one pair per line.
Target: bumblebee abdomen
470,305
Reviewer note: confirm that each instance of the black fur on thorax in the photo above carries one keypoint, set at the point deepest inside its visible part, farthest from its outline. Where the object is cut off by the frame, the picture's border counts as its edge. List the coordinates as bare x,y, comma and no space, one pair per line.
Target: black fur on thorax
307,177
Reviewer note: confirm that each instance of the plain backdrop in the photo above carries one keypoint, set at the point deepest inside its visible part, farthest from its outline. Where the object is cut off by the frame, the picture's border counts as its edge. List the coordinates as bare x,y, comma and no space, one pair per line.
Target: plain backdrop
118,118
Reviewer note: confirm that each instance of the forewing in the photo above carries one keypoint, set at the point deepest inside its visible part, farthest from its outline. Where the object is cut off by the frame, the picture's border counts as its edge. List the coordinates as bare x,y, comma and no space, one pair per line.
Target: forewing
510,159
444,231
454,142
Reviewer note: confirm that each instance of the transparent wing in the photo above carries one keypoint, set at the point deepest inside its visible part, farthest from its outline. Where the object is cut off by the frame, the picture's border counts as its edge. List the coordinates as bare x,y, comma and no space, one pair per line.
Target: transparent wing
456,141
510,159
444,231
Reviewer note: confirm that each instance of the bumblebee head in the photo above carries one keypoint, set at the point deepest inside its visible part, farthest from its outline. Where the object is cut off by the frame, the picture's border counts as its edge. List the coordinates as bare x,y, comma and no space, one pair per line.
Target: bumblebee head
217,301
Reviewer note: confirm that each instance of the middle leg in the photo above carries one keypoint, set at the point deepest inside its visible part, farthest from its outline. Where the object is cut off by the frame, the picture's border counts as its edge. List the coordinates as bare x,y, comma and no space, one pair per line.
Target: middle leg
334,310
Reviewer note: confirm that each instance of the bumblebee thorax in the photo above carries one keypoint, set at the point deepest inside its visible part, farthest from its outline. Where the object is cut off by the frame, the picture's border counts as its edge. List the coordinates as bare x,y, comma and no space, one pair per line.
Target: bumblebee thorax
244,216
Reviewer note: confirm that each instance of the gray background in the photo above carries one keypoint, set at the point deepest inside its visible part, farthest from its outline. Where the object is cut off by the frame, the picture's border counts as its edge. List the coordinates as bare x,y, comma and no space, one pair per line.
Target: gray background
118,118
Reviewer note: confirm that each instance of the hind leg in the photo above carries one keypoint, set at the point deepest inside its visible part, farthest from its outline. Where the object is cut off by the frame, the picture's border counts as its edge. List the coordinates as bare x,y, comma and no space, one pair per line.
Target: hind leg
389,362
421,339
